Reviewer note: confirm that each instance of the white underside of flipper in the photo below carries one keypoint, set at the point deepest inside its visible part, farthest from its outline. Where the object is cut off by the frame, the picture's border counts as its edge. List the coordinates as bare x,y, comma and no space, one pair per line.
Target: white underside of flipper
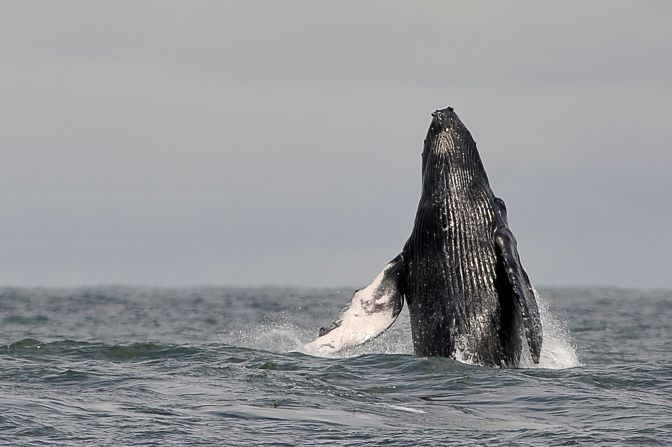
371,311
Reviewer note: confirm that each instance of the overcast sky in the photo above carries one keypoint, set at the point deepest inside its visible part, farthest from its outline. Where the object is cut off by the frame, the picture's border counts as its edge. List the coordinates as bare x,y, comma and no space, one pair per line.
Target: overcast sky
177,143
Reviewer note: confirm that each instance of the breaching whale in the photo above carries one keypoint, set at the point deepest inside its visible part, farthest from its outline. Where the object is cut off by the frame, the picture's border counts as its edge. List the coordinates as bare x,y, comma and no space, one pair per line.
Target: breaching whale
459,272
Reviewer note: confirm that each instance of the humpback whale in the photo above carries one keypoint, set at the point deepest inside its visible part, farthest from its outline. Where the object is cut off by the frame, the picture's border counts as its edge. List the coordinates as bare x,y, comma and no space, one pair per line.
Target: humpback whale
459,272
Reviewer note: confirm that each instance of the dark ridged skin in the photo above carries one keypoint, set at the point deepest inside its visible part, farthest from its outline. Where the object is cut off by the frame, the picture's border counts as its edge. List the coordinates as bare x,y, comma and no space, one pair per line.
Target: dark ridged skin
460,271
455,286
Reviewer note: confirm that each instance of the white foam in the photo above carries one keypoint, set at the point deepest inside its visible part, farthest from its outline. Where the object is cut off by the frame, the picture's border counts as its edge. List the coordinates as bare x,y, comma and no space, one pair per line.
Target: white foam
275,336
557,351
406,409
281,334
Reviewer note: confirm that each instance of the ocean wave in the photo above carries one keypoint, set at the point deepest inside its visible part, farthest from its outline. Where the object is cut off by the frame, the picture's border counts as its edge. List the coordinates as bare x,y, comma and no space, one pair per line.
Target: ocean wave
30,347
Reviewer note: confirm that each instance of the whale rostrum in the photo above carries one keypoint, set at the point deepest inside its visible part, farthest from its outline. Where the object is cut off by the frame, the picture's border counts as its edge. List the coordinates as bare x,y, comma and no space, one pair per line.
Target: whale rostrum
459,272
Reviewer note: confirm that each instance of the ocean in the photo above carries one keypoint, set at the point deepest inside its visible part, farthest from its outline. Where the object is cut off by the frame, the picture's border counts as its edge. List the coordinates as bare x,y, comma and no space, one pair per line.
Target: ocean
224,366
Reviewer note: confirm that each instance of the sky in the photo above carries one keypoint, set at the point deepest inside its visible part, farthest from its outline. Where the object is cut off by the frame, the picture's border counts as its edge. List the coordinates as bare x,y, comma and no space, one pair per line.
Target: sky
261,142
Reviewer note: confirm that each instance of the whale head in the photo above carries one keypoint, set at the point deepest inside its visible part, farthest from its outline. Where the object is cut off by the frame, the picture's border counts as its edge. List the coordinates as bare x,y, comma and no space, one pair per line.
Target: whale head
449,157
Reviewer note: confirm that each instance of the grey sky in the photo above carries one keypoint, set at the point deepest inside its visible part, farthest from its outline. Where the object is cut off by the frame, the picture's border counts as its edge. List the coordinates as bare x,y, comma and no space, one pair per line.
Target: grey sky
172,143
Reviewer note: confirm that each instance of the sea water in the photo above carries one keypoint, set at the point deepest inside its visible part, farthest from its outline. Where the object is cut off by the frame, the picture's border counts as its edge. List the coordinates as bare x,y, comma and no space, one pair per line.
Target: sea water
140,366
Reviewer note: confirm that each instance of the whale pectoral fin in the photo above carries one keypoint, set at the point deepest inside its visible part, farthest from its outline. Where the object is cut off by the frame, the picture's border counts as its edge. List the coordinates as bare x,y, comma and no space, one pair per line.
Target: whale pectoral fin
522,289
372,310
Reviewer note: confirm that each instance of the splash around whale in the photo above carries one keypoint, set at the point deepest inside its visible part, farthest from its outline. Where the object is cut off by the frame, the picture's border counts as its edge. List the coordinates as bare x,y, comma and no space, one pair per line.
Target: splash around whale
459,273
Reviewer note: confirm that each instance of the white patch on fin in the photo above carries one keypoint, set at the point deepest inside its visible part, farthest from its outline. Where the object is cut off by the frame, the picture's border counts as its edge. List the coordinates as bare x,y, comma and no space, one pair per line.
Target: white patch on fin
371,311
